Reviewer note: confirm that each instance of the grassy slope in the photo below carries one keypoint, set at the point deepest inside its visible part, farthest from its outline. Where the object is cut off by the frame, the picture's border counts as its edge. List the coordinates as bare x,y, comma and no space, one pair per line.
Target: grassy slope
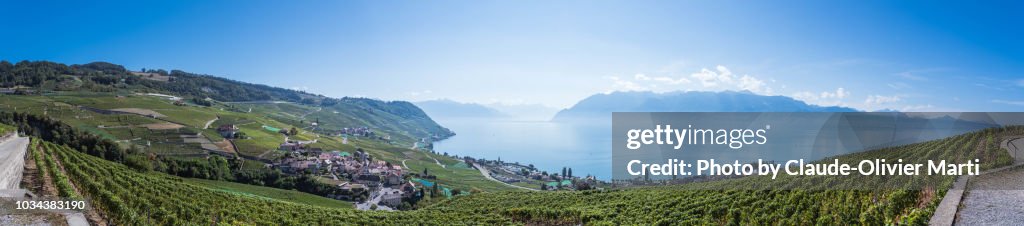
6,128
272,193
348,113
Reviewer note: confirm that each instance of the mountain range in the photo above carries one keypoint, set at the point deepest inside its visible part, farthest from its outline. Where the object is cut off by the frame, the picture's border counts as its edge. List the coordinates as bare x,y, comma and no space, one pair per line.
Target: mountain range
450,109
600,106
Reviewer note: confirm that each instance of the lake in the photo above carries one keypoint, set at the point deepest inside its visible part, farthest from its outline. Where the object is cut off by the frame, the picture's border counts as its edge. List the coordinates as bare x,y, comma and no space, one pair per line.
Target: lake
587,147
549,146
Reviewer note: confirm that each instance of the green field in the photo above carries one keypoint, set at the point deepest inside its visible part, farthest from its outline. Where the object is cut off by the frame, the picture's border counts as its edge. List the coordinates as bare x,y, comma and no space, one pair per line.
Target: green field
271,193
6,129
351,113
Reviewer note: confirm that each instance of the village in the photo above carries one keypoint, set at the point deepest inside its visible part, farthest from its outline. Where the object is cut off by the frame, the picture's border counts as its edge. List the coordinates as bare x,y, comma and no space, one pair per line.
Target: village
375,184
366,180
359,177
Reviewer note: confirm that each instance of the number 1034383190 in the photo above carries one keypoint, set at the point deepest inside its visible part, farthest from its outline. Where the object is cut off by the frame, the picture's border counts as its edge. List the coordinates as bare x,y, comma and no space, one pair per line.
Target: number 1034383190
50,205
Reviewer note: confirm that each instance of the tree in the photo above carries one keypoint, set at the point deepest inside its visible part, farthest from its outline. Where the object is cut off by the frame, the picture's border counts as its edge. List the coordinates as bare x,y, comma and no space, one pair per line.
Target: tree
139,162
569,174
563,171
293,131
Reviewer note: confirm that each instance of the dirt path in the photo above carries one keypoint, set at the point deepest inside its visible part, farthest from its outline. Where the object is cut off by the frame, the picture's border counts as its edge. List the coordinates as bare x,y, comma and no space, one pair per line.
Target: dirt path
92,216
207,126
435,160
265,152
318,109
30,176
48,188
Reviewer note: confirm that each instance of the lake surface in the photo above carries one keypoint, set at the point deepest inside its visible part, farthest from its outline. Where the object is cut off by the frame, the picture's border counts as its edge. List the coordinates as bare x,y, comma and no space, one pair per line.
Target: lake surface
586,148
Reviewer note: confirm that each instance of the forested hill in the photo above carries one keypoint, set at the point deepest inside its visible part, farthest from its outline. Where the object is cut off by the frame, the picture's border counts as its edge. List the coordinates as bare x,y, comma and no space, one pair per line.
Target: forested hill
102,76
44,76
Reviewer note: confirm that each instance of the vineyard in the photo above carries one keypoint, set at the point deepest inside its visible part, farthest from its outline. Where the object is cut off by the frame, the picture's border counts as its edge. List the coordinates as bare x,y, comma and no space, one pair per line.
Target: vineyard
132,198
791,200
129,197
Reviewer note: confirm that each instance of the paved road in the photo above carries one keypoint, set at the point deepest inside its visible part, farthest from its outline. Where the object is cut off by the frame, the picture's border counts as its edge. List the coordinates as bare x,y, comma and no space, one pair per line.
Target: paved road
487,174
375,200
12,162
996,198
1015,146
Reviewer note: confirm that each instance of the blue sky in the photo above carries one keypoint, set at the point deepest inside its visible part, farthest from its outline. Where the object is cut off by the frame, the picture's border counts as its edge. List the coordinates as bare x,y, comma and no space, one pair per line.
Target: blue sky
904,55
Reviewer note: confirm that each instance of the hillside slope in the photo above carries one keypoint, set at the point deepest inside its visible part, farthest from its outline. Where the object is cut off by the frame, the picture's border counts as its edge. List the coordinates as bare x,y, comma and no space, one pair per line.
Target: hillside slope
400,119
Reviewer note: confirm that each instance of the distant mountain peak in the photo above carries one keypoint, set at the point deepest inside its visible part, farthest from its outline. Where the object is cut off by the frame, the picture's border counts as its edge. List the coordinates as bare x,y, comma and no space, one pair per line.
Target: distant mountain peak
445,108
600,106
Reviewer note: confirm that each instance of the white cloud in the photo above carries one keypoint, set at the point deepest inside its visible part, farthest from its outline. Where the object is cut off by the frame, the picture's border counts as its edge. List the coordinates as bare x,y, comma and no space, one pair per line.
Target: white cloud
619,84
709,78
879,99
840,93
911,108
753,84
824,98
898,85
719,79
911,76
1010,102
671,81
641,77
420,93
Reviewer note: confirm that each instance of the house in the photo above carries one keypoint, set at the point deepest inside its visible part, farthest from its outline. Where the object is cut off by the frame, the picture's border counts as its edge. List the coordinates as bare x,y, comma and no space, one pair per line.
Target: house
393,178
408,189
314,151
227,130
288,146
350,191
299,166
325,156
391,197
372,181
